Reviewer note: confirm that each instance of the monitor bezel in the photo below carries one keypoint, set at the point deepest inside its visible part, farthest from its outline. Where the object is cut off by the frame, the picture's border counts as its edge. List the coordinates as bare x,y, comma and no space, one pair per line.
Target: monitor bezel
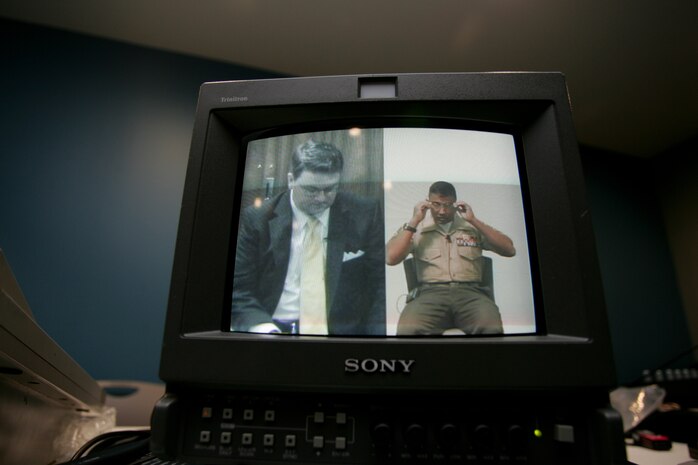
571,348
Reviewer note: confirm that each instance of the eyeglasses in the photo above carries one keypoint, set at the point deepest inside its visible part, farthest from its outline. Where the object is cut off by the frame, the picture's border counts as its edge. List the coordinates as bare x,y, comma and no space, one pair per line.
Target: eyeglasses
314,190
440,205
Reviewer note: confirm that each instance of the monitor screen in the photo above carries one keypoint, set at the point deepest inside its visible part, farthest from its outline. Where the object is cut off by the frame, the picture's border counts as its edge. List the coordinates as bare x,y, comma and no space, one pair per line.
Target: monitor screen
460,188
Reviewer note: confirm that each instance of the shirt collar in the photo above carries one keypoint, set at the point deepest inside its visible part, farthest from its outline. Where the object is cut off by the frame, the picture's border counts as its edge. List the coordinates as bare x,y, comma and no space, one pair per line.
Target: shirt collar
445,228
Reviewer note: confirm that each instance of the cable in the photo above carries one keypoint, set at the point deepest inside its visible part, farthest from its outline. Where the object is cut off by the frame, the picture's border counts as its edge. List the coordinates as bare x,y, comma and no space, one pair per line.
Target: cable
117,447
677,357
640,380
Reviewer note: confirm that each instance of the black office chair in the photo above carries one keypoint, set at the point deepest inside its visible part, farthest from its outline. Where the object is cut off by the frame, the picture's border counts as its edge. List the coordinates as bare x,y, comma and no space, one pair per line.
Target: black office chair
487,281
487,275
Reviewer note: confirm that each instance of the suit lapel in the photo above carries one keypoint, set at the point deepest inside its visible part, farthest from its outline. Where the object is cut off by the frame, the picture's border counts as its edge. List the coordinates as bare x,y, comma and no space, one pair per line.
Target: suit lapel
280,233
336,237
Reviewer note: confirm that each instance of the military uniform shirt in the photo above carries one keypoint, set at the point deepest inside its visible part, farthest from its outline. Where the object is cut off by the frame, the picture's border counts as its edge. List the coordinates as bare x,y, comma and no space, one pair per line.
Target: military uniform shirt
448,257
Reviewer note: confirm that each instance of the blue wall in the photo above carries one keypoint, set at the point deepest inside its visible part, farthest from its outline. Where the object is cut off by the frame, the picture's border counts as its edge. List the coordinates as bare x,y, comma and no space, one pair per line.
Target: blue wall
94,141
95,137
644,304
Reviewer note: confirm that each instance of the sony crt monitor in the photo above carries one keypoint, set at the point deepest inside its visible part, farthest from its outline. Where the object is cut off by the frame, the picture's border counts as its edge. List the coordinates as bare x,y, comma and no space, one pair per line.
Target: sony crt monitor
386,269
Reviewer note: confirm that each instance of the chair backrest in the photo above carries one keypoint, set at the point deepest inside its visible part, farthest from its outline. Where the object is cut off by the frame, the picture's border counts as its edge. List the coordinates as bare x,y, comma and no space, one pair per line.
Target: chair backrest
410,273
487,274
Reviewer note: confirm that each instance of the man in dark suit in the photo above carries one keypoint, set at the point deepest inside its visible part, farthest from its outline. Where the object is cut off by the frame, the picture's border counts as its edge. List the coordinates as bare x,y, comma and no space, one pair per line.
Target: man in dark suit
346,292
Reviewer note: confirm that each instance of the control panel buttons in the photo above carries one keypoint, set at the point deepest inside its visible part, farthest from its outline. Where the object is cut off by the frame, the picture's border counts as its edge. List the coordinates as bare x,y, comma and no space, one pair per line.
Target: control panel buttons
318,442
564,433
516,439
268,429
483,437
382,434
268,440
415,436
246,439
447,435
290,440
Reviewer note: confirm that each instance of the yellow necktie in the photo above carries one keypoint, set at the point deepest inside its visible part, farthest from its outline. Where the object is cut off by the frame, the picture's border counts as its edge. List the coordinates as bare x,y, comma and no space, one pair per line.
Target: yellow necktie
313,317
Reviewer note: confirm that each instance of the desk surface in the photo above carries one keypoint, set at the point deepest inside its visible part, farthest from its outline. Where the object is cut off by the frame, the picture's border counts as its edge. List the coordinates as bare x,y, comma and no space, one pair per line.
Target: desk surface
677,455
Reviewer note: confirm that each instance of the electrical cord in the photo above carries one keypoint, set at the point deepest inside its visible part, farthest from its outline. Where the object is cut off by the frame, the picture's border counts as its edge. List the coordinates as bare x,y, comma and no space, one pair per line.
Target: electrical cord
680,355
113,448
640,380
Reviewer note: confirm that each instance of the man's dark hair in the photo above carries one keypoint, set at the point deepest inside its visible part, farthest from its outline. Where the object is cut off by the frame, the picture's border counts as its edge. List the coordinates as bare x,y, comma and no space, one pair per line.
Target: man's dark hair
443,188
318,157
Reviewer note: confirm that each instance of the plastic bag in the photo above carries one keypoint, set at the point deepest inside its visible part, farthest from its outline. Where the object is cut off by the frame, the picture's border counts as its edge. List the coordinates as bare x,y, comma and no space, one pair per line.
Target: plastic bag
636,404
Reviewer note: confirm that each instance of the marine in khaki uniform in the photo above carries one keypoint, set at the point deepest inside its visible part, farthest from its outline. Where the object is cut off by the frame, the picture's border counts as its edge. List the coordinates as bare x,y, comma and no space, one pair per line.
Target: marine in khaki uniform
447,248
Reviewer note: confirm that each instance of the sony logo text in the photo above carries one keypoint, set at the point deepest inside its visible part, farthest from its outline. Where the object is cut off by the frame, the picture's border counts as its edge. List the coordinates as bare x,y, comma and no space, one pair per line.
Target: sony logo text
371,365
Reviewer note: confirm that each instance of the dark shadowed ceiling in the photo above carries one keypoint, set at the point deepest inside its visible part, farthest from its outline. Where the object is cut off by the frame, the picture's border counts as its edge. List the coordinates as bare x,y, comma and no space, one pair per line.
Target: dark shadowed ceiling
631,65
